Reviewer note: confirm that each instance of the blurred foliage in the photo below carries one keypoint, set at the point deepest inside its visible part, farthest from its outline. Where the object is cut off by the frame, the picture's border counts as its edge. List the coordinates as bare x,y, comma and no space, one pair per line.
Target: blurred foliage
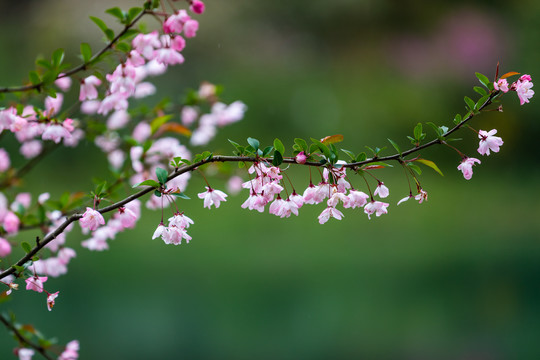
453,278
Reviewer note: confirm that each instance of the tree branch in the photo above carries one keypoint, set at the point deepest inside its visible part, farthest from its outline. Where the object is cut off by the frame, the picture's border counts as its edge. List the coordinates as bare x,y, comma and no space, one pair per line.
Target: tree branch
82,66
24,340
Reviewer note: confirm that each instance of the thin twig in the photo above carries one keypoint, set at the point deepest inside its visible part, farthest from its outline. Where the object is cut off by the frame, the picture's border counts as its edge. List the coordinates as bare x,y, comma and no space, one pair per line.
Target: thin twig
24,340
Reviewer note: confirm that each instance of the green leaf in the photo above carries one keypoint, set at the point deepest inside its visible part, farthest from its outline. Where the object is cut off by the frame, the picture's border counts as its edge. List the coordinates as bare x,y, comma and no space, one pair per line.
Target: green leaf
431,164
100,188
109,34
350,154
457,119
480,90
302,144
100,23
361,157
26,247
18,268
483,79
278,145
180,195
117,13
254,143
44,63
123,47
133,13
395,146
128,33
86,52
278,158
34,77
470,103
481,101
415,168
161,175
267,150
418,131
57,57
149,182
157,122
157,193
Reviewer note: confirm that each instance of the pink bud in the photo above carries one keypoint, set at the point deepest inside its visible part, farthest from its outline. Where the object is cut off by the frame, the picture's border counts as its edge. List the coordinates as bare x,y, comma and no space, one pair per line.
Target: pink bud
300,158
5,247
197,7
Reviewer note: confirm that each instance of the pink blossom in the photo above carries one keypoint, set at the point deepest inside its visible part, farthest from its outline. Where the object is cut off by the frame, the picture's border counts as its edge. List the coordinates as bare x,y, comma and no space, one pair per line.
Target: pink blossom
523,90
272,188
381,190
90,106
127,217
501,84
289,207
328,213
336,198
71,351
50,300
116,101
376,207
206,90
118,120
95,244
56,133
190,28
356,199
142,132
12,286
43,197
144,89
175,23
212,197
189,115
300,158
11,223
255,202
31,149
91,219
65,255
135,58
422,195
63,82
53,105
174,235
35,283
116,159
466,167
145,44
197,7
5,247
489,142
234,185
25,353
5,163
180,220
228,114
22,199
297,199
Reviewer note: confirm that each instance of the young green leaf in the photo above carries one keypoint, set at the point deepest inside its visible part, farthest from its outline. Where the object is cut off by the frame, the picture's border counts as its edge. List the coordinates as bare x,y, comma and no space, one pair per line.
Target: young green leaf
157,122
278,145
57,57
34,77
180,195
267,150
117,13
431,164
278,158
161,175
350,154
149,182
395,146
470,103
483,80
415,168
361,157
480,90
254,143
100,23
302,144
457,119
26,247
133,13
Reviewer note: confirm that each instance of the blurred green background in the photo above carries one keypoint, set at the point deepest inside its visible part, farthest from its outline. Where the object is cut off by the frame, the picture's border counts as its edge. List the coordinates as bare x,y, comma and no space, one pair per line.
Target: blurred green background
453,278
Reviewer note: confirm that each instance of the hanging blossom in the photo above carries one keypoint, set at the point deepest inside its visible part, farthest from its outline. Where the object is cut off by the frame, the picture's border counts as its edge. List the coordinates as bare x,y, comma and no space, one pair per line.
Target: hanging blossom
488,142
212,197
91,219
466,167
175,231
523,88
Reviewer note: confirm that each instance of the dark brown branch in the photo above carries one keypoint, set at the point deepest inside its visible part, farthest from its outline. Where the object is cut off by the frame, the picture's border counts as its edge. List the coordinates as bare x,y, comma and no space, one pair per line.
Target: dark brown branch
24,340
221,158
82,66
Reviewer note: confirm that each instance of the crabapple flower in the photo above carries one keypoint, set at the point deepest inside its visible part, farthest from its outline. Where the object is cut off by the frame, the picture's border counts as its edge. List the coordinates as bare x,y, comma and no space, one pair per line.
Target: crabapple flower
523,89
91,219
190,28
57,132
356,199
328,213
35,283
255,202
501,85
376,207
53,105
180,220
50,300
381,190
71,352
488,142
466,167
300,158
31,149
12,286
63,83
88,88
197,7
422,195
11,223
25,353
234,185
4,160
5,247
159,231
212,197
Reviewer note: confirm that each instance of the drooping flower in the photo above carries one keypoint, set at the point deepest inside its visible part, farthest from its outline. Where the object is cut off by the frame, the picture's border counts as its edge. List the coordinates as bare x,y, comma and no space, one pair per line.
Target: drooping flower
466,167
35,283
356,199
212,197
523,88
328,213
25,353
376,207
381,190
501,84
91,219
421,196
488,142
50,300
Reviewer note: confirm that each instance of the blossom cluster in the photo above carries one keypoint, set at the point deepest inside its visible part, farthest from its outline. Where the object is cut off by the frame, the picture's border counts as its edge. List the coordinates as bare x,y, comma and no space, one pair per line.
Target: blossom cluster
175,231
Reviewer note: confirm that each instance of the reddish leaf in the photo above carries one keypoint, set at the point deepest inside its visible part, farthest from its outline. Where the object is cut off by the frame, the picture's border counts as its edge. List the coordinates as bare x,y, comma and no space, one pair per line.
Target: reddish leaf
332,139
176,128
508,74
